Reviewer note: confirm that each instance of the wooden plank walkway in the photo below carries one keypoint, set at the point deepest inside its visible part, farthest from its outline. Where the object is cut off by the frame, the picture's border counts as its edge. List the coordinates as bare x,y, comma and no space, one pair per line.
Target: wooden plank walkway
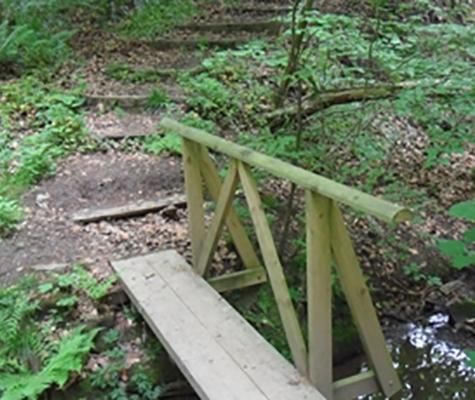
218,351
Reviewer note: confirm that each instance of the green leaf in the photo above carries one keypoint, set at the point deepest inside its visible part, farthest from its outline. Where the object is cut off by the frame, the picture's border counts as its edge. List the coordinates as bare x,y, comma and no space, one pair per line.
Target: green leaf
451,248
463,260
471,358
465,210
45,288
469,236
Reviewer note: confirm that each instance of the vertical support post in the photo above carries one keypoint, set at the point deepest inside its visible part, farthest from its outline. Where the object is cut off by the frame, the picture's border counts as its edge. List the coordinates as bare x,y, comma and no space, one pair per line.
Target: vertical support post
361,306
194,196
319,292
275,271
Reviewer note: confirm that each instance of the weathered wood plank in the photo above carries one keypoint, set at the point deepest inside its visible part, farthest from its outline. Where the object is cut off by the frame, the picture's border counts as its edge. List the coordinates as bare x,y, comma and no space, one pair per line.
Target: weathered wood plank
128,210
208,367
319,293
223,205
355,386
194,197
238,280
361,306
360,201
275,271
274,377
243,245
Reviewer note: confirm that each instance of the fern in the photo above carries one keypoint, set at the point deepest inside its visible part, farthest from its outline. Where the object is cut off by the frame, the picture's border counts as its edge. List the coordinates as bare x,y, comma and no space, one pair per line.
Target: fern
68,358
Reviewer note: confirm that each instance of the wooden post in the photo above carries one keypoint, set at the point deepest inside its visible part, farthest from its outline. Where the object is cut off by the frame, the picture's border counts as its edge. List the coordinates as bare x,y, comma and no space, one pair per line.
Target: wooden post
275,271
238,233
224,204
194,196
361,306
319,292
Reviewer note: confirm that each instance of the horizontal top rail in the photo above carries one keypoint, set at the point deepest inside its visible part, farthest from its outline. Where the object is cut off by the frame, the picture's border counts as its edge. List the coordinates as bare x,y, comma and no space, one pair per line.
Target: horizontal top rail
346,195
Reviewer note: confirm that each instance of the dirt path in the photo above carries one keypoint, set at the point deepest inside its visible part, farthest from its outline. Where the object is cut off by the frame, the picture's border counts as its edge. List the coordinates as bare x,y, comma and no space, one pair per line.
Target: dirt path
48,234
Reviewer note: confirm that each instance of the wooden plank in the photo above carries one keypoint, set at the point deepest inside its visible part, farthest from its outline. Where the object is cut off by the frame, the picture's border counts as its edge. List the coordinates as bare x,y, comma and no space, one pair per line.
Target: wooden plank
128,210
238,280
319,293
241,240
275,271
223,205
352,197
194,196
275,377
361,306
355,386
210,370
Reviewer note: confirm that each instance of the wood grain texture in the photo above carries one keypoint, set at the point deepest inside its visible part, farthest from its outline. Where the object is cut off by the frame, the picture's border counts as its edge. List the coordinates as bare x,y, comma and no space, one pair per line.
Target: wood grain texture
319,292
361,305
274,271
218,351
194,196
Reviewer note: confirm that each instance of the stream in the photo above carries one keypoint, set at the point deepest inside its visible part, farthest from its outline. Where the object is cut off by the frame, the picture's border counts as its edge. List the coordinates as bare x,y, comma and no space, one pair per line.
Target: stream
430,367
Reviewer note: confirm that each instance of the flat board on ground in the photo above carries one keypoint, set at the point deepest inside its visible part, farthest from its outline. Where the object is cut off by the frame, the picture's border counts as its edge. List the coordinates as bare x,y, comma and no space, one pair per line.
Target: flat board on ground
219,352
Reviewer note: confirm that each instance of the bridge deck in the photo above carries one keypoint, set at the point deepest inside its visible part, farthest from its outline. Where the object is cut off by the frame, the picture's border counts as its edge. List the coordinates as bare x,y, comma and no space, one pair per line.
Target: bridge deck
219,352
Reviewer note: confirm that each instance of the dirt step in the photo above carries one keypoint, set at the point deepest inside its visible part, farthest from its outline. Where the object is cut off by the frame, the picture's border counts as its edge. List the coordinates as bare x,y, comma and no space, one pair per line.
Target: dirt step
114,126
270,27
194,43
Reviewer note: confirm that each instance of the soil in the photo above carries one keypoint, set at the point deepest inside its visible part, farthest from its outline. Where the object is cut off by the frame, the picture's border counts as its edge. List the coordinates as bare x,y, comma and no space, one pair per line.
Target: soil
86,181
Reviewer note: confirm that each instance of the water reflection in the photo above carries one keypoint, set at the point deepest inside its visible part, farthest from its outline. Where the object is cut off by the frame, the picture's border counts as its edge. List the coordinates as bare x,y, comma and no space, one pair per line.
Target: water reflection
430,368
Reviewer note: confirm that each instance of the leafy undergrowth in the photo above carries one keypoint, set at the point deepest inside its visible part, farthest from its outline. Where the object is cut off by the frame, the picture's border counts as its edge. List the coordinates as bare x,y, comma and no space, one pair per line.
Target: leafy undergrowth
415,147
38,124
60,334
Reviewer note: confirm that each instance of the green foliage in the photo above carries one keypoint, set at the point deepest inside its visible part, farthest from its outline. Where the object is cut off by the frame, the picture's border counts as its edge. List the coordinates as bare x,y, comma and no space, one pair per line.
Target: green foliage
10,214
56,129
471,358
461,252
31,359
414,271
156,17
158,98
168,143
108,379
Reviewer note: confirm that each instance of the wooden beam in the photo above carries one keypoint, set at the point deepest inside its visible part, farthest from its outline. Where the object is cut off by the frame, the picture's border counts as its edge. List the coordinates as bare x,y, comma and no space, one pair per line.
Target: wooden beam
128,210
358,385
241,240
361,201
238,280
361,306
194,195
275,271
319,293
223,205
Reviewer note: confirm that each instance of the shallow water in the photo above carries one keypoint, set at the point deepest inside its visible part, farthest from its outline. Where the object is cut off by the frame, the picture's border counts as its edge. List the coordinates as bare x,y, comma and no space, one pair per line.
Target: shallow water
429,367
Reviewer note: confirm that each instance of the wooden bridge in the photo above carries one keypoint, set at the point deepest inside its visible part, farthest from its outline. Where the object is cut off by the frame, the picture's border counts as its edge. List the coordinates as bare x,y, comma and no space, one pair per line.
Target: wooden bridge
221,354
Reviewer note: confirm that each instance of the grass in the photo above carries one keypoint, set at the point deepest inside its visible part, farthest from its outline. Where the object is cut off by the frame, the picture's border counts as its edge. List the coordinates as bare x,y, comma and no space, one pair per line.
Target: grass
155,18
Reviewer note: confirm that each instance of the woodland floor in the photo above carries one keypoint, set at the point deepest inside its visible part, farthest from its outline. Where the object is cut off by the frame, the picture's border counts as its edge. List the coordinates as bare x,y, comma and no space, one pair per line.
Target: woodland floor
117,174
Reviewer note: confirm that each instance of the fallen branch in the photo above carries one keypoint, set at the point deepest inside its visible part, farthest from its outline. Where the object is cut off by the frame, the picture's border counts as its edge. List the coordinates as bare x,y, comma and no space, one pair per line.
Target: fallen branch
328,99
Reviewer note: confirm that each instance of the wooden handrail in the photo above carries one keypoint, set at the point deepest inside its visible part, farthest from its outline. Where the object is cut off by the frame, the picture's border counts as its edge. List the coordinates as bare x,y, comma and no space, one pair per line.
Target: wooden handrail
369,204
329,248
